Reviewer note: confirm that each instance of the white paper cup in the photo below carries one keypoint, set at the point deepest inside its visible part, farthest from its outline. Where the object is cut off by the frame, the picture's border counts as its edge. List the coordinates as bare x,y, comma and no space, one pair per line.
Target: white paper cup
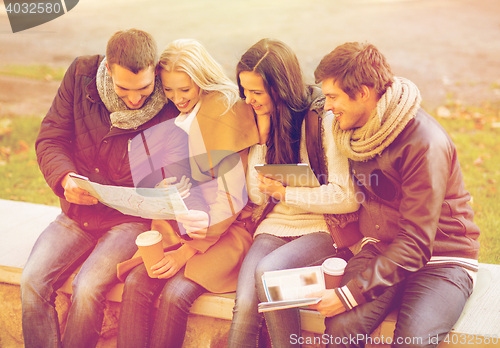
151,249
333,269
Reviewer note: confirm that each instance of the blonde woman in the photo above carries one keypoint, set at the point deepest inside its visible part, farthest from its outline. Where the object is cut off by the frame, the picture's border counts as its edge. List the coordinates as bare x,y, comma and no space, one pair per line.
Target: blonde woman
221,128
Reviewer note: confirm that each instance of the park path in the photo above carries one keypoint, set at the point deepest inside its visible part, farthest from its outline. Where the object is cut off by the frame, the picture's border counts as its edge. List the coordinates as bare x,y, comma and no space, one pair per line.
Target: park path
449,48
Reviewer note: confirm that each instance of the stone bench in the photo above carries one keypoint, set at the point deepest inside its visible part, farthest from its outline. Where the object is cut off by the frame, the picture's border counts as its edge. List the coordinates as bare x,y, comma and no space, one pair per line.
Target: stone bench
211,314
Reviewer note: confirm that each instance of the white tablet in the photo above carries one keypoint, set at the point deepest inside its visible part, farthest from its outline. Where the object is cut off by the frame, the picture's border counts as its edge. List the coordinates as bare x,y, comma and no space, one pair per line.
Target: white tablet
299,174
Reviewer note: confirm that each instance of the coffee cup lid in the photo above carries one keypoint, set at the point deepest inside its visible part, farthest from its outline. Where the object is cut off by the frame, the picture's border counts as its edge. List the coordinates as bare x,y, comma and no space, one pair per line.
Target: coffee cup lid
334,266
148,238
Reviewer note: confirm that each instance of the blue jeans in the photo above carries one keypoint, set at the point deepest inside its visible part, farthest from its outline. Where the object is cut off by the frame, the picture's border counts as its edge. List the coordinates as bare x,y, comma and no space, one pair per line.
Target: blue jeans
270,253
430,301
57,253
168,329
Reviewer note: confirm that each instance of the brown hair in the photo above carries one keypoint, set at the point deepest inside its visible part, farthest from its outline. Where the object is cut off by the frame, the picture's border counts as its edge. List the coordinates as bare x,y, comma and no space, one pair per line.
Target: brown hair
354,64
132,49
279,67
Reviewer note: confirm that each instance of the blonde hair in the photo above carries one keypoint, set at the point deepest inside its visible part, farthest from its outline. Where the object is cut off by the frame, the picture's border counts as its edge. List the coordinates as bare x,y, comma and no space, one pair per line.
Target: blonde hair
190,57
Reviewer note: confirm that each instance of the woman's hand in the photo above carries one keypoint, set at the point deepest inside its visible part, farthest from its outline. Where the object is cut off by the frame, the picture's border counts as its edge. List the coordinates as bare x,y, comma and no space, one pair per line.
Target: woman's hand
195,222
329,305
271,187
173,261
183,186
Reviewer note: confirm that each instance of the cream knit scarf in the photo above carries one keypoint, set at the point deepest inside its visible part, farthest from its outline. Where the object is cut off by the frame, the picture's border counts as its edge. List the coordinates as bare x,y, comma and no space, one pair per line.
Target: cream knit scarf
395,109
121,116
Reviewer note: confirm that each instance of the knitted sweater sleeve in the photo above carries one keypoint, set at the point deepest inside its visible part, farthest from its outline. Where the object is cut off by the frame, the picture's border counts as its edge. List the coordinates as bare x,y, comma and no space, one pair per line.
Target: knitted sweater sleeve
336,197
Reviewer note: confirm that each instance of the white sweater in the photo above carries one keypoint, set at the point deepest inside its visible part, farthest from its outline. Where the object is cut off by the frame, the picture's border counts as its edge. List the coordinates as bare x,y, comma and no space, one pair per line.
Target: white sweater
302,211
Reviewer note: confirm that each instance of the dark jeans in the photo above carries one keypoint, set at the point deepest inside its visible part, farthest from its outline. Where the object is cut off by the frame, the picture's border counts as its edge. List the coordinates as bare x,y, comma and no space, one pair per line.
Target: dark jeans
136,326
430,300
59,250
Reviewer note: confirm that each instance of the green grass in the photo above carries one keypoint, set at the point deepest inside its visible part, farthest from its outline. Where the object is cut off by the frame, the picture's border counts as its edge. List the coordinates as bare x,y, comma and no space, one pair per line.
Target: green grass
37,72
470,128
479,154
20,177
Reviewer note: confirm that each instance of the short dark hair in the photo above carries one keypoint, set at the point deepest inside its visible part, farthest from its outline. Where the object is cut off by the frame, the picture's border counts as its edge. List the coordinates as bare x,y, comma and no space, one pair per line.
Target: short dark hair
280,70
132,49
354,64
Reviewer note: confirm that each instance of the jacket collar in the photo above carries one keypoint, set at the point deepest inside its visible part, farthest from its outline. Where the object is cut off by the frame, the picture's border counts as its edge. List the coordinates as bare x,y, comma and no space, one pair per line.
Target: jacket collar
87,66
92,93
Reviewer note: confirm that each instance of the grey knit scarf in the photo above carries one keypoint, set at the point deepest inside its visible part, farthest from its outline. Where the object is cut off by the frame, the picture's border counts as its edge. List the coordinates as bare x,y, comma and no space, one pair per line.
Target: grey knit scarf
395,109
121,116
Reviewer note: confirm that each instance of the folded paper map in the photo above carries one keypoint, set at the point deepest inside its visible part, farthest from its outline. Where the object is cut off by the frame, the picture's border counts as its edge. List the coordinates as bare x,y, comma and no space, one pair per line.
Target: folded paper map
148,203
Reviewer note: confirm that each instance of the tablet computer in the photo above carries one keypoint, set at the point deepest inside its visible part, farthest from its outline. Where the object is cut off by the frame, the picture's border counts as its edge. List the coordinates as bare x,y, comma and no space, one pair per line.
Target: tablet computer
299,174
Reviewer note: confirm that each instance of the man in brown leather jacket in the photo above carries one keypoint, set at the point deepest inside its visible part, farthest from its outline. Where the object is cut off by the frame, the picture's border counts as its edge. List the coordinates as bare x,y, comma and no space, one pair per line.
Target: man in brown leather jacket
420,243
101,105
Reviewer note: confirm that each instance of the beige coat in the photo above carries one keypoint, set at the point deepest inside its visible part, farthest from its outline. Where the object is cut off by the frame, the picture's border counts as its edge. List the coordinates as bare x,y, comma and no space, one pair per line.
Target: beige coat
216,138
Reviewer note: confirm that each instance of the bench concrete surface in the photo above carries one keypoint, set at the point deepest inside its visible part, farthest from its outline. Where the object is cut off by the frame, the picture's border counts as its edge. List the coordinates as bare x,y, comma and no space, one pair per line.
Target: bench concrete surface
210,316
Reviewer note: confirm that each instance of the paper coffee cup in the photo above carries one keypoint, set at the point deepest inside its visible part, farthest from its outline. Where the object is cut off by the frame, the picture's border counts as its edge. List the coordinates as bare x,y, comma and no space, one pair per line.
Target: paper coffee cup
333,269
151,249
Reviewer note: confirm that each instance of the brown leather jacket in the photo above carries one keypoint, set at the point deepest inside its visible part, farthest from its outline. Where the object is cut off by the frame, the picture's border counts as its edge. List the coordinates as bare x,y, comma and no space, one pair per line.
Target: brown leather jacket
415,202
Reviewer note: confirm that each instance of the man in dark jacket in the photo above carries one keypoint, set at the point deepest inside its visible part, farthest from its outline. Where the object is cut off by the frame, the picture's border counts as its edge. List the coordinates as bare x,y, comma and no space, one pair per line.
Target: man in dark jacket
101,105
420,248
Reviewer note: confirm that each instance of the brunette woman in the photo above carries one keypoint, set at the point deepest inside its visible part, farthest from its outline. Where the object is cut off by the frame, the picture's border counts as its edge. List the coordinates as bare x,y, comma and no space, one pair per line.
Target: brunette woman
293,230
